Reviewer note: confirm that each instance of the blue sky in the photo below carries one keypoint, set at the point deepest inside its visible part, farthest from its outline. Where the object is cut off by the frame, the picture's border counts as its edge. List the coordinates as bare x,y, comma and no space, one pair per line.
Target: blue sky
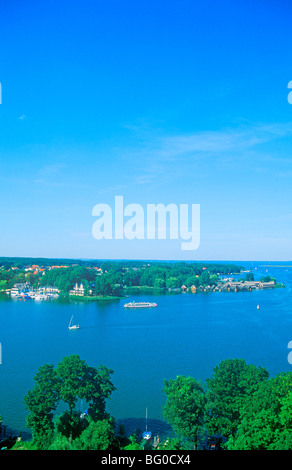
157,101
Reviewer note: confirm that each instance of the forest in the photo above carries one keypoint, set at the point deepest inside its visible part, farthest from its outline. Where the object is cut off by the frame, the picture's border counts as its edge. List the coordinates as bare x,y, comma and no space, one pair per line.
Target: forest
241,403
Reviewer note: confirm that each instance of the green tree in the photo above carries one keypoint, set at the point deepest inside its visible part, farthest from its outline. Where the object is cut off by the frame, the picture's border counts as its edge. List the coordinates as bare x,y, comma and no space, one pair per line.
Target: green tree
192,281
173,443
3,285
266,417
185,406
60,442
134,443
31,278
70,425
72,375
172,282
147,278
98,435
103,285
213,279
99,388
78,380
159,283
72,379
283,436
204,279
132,278
249,277
41,403
233,380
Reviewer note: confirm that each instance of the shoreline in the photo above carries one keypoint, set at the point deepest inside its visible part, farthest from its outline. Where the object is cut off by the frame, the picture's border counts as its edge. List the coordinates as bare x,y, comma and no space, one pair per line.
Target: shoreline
88,298
156,291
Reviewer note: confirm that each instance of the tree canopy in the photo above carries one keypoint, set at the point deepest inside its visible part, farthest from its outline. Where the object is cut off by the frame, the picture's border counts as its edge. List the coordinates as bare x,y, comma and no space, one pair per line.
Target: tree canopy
71,380
110,275
232,382
239,402
185,405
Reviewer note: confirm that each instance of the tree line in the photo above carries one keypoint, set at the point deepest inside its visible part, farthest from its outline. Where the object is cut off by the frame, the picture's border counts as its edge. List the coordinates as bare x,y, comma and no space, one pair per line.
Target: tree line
115,276
240,402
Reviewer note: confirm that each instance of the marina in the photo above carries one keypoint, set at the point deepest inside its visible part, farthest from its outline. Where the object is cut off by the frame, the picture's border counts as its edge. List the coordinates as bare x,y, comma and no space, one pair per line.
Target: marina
25,291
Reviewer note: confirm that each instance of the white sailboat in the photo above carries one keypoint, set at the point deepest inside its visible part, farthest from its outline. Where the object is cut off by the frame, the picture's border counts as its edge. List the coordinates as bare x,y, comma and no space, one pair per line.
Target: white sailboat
72,327
147,434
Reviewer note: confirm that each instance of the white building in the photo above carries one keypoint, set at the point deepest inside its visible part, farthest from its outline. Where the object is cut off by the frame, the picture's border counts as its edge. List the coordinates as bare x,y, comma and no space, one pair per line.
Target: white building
77,290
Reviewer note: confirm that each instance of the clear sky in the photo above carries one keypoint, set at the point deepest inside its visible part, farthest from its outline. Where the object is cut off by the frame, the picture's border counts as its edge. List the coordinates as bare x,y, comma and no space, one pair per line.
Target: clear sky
165,101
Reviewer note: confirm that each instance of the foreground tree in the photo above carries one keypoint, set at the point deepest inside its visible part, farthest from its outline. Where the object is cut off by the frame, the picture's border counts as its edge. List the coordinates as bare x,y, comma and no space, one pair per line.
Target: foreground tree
78,380
185,406
42,402
70,425
72,379
266,417
98,435
232,383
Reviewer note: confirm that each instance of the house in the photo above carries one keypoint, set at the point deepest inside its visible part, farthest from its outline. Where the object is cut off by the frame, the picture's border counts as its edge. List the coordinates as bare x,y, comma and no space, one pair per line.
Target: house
49,289
77,290
99,270
267,285
58,267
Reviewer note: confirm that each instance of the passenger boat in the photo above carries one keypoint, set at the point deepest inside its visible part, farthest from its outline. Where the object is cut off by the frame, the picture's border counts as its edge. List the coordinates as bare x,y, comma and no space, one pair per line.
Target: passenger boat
140,305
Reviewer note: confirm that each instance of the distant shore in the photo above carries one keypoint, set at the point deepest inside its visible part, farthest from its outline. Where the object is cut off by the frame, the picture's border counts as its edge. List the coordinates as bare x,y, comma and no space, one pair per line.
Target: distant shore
90,298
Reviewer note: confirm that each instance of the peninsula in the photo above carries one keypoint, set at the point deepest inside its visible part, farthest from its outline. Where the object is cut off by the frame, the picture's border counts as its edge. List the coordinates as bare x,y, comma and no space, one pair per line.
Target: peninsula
44,279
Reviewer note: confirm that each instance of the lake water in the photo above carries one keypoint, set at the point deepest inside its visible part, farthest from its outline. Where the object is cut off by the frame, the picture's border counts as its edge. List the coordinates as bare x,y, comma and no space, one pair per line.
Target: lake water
187,334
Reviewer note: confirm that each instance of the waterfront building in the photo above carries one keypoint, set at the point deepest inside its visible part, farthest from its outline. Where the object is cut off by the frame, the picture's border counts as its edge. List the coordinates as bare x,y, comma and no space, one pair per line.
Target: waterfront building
77,290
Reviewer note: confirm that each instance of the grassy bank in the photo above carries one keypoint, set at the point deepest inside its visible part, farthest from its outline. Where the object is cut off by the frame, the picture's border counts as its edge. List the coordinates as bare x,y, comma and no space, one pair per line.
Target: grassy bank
90,298
143,288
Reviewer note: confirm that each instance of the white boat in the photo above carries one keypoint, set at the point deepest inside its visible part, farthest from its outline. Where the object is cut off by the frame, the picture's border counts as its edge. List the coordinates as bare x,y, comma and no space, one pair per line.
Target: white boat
73,327
258,307
147,434
140,305
15,292
39,297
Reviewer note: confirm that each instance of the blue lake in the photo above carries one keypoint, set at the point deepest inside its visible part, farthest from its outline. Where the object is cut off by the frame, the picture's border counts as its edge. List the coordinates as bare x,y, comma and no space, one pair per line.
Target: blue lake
186,334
